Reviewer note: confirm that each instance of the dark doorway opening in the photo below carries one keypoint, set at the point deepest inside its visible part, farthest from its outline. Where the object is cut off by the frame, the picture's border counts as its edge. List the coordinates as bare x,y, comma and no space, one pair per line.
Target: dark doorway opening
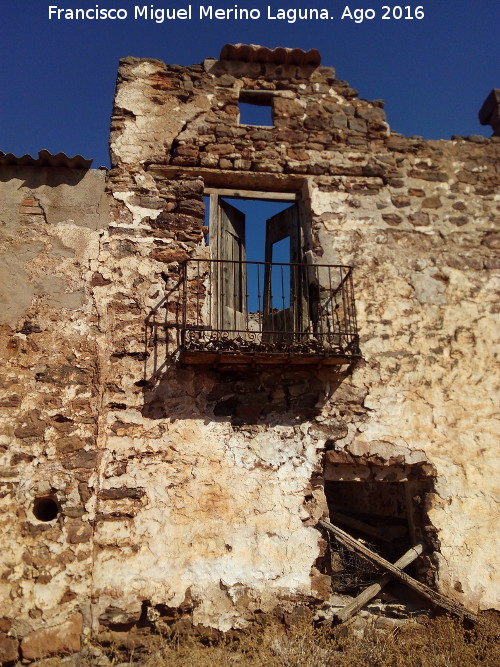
388,517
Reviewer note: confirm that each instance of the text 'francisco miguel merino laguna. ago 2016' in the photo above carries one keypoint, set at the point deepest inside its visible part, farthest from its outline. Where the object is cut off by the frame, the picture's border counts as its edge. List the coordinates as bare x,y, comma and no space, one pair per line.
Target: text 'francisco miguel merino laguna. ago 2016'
235,13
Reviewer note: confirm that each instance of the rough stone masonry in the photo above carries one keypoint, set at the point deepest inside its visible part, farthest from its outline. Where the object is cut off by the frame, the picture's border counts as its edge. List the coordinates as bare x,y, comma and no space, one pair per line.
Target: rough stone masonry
136,489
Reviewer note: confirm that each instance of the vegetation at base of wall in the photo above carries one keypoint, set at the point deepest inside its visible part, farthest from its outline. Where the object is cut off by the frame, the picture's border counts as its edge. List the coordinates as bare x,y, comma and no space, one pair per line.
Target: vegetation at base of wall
443,642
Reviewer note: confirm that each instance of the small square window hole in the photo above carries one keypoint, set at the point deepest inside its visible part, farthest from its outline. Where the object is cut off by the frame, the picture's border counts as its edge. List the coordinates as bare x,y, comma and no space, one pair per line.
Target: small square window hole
256,108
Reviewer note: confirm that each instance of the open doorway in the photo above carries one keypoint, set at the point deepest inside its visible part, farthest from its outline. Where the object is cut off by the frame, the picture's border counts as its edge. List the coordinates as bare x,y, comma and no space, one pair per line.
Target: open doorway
257,246
248,228
383,507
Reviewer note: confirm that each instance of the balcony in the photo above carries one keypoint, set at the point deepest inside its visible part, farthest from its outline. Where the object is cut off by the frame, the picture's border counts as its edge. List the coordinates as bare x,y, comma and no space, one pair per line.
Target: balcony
238,313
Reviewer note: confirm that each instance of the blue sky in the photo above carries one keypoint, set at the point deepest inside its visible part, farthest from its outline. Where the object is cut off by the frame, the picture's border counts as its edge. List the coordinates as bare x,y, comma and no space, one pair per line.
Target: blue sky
57,77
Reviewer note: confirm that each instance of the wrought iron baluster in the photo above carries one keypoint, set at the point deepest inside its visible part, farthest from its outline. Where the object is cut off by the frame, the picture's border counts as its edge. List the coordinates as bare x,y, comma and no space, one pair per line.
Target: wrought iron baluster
314,314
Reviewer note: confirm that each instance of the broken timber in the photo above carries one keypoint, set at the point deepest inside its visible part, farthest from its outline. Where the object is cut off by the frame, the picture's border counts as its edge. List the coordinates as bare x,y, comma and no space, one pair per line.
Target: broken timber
370,592
435,597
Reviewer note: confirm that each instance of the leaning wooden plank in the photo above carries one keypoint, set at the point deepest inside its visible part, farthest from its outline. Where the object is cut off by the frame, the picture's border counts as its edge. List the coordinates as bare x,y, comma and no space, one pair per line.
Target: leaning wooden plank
424,590
370,592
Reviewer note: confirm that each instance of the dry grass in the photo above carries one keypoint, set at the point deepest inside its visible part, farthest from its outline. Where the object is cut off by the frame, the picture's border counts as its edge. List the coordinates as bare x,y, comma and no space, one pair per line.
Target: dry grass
440,643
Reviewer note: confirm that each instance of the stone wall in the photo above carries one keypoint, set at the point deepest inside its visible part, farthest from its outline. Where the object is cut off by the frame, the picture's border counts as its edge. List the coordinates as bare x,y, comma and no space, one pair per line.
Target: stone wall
190,495
51,222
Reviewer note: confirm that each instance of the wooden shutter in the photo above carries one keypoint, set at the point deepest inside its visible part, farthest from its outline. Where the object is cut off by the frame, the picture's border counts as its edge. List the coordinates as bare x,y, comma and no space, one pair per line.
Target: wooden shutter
277,319
227,229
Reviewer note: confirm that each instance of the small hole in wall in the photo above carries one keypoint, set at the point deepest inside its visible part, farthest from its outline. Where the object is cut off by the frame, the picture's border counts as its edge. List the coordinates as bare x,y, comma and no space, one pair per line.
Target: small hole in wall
256,108
250,114
46,508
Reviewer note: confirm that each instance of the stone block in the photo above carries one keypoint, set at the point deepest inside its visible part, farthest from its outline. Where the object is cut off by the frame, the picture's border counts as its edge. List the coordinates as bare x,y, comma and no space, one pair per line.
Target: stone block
5,624
321,585
169,255
57,640
117,616
338,121
69,444
401,201
459,220
357,125
315,121
220,149
492,241
226,80
392,219
83,459
431,202
99,281
243,165
122,492
32,426
429,175
376,115
428,290
419,219
208,160
287,108
356,141
9,649
79,532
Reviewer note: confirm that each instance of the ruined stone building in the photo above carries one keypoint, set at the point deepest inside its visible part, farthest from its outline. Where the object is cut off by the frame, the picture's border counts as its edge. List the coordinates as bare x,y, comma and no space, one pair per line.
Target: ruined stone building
176,418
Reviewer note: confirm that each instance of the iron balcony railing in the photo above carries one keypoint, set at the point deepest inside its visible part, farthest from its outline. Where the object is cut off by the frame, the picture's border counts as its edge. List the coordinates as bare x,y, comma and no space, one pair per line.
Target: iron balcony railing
271,309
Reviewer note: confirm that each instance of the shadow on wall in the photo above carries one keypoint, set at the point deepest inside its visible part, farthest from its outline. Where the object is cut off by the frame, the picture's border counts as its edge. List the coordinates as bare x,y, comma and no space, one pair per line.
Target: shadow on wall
163,334
257,395
34,178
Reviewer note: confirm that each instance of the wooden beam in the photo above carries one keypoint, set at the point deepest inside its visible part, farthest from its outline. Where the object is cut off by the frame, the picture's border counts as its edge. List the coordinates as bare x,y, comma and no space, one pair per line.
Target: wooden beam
370,592
227,178
426,592
252,194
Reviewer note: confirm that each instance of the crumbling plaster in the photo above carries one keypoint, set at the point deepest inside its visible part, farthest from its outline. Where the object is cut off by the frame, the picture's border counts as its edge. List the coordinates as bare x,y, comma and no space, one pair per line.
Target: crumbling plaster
51,224
414,218
199,489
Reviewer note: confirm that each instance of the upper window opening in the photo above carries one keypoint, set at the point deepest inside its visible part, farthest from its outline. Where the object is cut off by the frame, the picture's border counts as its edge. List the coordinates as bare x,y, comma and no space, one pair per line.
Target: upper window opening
256,108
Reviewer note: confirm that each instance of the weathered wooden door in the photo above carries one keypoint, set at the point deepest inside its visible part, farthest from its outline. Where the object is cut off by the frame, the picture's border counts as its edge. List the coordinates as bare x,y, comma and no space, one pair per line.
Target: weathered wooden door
230,289
283,290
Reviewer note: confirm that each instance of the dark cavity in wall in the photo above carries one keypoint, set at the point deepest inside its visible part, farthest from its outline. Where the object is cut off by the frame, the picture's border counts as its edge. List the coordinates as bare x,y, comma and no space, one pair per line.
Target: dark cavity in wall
46,508
388,516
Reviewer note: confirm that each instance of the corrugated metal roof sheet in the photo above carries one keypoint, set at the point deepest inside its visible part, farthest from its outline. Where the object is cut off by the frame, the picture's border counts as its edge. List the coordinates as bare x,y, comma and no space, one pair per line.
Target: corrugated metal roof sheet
253,53
45,159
